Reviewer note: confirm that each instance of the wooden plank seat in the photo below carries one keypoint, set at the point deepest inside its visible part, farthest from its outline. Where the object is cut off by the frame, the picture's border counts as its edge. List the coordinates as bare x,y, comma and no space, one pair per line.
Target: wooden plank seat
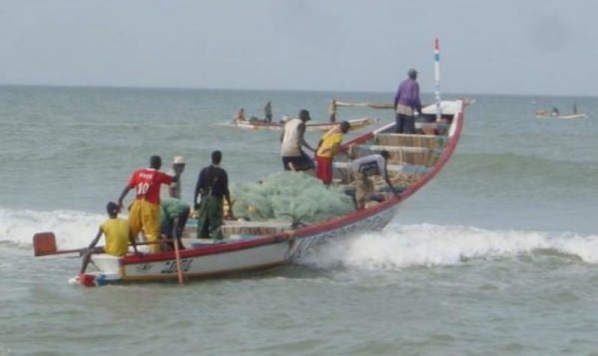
234,229
407,168
409,140
402,149
432,125
259,228
402,155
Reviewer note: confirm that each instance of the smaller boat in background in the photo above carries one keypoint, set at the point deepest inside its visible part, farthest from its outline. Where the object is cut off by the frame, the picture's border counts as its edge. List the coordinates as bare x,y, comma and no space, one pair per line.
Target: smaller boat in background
365,104
309,126
545,115
555,114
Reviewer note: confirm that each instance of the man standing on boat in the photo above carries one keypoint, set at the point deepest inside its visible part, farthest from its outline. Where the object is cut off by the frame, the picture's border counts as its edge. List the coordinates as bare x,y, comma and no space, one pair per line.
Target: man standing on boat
292,139
118,235
407,103
240,115
329,147
268,112
144,213
332,111
178,166
212,188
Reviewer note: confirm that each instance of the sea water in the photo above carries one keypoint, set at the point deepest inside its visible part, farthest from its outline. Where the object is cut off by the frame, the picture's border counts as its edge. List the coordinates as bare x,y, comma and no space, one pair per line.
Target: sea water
496,255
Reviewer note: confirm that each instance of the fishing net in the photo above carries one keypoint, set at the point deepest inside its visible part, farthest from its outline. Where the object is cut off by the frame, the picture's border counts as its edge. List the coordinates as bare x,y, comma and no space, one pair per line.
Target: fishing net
289,196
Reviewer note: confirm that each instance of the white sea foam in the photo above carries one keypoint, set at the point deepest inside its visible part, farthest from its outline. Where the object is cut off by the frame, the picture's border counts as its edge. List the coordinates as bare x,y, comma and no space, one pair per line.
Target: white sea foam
405,246
396,247
73,229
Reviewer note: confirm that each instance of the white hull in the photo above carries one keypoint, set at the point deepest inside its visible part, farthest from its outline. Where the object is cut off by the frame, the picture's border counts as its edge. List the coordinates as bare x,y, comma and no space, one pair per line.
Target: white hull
563,117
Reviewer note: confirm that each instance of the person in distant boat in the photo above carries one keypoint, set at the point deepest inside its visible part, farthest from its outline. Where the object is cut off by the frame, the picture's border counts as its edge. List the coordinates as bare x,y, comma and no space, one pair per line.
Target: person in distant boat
365,168
555,111
174,214
118,235
332,111
268,112
328,148
144,213
292,139
407,103
240,116
211,189
178,166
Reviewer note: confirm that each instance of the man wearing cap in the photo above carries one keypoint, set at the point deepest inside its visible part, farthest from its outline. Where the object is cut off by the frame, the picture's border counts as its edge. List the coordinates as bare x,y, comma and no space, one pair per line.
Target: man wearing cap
144,213
292,139
407,102
178,166
118,236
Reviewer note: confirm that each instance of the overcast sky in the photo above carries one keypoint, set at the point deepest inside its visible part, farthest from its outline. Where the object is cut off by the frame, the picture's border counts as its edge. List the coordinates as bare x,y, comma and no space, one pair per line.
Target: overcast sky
487,46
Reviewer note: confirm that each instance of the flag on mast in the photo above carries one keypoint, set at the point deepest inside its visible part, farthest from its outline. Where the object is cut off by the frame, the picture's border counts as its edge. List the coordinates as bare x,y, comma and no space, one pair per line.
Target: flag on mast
437,78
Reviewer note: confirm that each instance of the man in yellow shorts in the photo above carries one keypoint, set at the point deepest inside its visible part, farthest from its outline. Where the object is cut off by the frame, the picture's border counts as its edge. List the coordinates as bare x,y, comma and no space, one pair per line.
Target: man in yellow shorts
144,213
118,235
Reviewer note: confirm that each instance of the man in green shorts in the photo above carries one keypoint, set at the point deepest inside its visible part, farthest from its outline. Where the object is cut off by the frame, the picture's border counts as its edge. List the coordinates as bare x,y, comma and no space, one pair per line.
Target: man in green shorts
212,188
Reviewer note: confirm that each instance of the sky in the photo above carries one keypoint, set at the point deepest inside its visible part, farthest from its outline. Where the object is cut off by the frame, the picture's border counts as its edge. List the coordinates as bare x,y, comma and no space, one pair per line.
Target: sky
530,47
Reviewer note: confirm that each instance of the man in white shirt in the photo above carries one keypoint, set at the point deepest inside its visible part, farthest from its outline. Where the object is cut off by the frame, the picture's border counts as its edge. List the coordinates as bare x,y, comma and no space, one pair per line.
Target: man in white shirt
293,157
174,189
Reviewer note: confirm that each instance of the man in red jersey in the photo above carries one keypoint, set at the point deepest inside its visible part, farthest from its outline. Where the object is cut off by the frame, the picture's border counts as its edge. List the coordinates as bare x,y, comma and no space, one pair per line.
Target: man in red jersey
144,213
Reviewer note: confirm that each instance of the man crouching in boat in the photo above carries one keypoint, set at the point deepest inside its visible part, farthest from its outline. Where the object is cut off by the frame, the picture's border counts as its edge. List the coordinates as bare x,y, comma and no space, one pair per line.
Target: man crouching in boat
118,235
363,169
144,213
292,139
174,213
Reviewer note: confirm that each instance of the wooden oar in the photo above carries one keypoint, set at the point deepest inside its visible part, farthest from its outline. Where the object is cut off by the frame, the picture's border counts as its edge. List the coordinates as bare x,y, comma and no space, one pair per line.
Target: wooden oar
44,244
177,255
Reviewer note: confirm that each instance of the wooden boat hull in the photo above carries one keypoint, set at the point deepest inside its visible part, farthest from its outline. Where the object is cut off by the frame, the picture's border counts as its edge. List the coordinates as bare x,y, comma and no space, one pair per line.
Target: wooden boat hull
227,258
255,246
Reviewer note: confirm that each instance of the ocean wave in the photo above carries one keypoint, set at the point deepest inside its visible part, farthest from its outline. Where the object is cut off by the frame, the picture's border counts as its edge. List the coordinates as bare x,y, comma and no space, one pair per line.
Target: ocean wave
73,229
426,245
396,247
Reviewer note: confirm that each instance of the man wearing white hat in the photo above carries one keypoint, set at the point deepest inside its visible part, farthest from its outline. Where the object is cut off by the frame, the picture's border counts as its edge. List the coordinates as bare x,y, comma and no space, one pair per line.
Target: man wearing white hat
178,166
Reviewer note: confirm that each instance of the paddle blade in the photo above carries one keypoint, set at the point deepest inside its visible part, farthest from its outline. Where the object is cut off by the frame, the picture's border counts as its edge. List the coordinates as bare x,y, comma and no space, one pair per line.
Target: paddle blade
44,243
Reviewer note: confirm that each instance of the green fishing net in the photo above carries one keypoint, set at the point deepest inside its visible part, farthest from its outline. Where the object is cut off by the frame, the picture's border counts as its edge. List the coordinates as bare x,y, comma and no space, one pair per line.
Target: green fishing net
289,196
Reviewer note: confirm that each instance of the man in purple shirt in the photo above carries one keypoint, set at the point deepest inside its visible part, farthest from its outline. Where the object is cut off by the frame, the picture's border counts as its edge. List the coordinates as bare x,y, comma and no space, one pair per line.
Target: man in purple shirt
407,102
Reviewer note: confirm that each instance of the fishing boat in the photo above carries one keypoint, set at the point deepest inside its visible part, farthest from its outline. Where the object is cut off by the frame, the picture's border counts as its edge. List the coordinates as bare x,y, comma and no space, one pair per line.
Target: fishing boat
309,126
248,246
544,115
365,104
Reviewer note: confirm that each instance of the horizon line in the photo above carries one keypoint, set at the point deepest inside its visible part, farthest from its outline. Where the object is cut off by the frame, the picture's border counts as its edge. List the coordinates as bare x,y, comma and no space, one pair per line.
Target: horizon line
82,86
